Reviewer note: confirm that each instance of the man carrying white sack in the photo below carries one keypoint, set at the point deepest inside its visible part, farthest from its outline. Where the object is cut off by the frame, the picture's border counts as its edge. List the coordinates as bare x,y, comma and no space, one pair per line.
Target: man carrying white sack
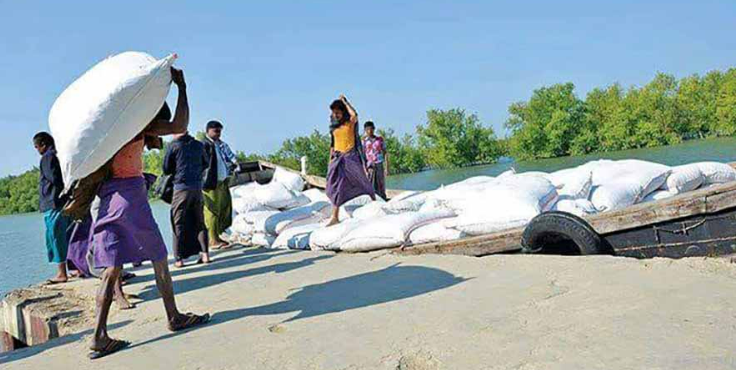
125,230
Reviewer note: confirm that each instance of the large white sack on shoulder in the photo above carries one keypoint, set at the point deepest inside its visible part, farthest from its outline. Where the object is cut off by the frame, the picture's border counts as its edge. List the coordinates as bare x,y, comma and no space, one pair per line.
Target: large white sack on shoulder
371,210
684,178
296,237
105,108
657,195
316,195
572,182
578,207
434,232
262,240
292,181
716,173
276,223
327,238
387,231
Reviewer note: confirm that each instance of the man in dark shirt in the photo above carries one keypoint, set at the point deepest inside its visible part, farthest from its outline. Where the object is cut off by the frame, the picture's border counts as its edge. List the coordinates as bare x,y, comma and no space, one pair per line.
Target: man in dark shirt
186,160
50,203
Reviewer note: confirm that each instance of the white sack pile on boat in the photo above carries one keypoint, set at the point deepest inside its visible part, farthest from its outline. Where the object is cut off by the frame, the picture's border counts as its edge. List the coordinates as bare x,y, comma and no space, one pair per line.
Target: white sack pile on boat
280,215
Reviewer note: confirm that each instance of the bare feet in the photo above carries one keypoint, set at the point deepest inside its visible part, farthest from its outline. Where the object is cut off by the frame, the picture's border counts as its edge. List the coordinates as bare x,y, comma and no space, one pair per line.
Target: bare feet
122,302
179,264
204,258
333,221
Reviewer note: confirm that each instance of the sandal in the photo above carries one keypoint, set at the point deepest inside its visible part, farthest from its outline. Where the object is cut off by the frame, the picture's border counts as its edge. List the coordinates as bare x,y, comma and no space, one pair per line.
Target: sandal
127,276
111,347
54,282
191,320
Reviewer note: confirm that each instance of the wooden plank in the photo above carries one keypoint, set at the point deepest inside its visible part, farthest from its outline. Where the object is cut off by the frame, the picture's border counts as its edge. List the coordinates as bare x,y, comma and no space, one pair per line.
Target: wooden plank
683,205
719,201
503,241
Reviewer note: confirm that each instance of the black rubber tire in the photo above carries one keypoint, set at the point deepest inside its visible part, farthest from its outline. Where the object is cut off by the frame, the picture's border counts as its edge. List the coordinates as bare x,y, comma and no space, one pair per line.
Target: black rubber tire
560,233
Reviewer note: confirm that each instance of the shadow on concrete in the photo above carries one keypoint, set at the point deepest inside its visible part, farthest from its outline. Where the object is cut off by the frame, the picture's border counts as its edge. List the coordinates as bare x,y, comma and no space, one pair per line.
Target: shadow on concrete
200,282
364,290
22,353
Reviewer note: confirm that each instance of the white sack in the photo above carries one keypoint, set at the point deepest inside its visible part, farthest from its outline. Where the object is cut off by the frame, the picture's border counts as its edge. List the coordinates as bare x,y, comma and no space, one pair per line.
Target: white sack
657,195
504,204
316,195
290,180
387,231
572,182
578,207
244,191
328,238
406,203
434,232
684,178
105,108
715,172
296,237
369,211
404,195
276,195
243,205
262,240
278,222
241,227
347,209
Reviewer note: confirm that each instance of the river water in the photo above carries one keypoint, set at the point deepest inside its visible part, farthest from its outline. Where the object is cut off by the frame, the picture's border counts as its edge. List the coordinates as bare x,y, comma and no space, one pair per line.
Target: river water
23,256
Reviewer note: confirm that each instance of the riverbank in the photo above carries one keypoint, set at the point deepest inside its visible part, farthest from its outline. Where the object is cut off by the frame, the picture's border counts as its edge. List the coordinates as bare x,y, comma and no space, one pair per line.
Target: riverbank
277,309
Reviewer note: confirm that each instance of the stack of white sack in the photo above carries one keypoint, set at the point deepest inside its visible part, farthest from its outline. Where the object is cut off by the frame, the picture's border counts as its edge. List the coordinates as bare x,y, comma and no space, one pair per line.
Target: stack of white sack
347,209
105,108
619,184
378,233
276,223
497,205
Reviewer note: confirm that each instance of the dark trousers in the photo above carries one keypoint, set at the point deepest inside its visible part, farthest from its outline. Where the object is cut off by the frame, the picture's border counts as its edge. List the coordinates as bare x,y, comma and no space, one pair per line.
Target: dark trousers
188,223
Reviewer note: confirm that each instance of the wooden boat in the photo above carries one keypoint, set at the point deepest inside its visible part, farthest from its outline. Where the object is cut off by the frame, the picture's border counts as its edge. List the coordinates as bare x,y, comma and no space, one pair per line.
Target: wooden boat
696,223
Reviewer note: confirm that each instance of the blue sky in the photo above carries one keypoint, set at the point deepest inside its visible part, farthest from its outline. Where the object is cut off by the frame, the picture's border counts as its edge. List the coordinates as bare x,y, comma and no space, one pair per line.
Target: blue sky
268,70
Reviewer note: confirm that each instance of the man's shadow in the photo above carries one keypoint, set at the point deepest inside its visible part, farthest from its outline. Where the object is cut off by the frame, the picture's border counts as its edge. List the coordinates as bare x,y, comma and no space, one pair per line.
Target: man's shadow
200,282
392,283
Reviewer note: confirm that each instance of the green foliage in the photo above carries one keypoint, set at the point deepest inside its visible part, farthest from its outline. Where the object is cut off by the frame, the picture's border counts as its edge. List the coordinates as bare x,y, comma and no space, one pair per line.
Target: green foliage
452,138
403,154
554,122
19,194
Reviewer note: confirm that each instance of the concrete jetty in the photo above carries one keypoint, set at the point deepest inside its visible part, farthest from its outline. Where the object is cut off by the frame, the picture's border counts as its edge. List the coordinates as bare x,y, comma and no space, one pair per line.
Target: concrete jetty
279,309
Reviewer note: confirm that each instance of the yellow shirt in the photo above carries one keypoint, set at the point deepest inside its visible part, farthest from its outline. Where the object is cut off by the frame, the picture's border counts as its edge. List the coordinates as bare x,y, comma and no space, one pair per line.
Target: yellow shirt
345,137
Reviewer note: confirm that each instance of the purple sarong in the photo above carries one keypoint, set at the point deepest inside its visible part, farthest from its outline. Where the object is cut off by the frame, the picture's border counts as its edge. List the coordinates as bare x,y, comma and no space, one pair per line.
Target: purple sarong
79,245
125,230
347,178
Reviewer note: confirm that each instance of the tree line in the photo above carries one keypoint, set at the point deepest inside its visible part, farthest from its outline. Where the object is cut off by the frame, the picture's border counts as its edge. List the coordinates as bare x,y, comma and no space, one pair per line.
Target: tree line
554,122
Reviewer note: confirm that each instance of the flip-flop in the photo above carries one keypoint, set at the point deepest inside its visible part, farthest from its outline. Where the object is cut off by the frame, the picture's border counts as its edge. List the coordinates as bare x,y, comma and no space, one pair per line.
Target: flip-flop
127,276
192,321
112,346
54,282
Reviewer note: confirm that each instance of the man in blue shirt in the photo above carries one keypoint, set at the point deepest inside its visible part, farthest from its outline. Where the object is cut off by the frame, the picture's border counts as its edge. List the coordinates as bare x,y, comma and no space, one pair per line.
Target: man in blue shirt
50,203
186,160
